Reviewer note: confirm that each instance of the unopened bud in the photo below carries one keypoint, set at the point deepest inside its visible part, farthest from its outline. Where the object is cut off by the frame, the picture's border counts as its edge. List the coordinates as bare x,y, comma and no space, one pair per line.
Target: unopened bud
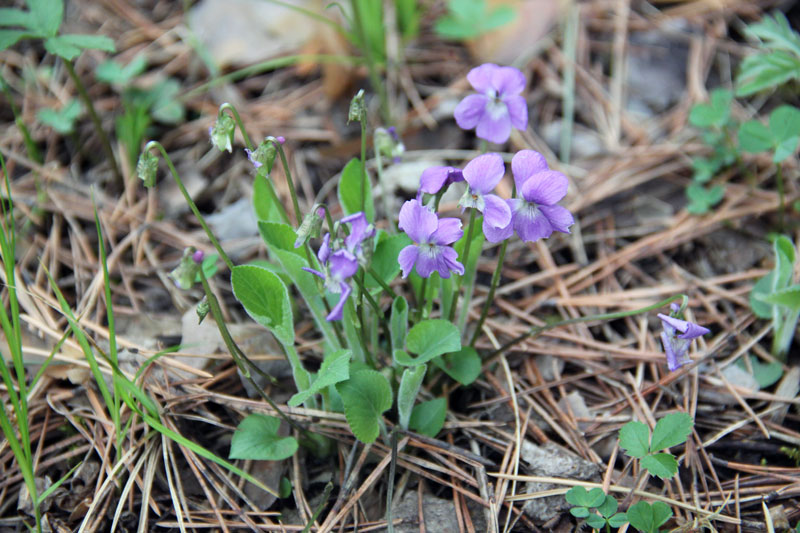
264,155
202,310
221,132
311,225
186,271
358,108
147,168
388,144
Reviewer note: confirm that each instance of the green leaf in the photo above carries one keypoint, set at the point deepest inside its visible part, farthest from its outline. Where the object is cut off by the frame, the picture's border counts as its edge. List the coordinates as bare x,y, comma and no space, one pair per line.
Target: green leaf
648,518
467,9
167,107
350,190
702,199
112,72
335,368
776,33
579,512
265,298
398,323
209,267
784,122
69,46
663,465
257,438
608,507
62,121
766,71
670,431
618,520
754,137
15,17
449,27
9,38
428,417
785,149
500,16
407,393
578,495
713,114
595,521
766,374
634,438
784,262
463,366
704,169
46,15
285,488
263,201
366,395
786,297
431,338
384,259
279,236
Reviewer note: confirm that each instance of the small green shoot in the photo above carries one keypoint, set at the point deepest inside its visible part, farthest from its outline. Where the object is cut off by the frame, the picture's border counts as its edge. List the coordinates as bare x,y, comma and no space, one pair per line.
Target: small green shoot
778,60
780,136
467,19
702,199
63,121
774,296
257,438
672,430
583,500
649,518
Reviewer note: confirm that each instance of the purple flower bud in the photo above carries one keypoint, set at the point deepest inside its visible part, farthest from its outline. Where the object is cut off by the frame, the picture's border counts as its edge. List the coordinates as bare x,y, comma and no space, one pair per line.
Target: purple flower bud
198,256
676,338
281,139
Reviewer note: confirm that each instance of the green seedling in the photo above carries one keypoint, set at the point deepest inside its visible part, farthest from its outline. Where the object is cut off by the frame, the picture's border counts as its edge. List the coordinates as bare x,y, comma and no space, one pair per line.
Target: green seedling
606,506
63,121
775,297
780,136
649,518
714,120
778,60
672,430
467,19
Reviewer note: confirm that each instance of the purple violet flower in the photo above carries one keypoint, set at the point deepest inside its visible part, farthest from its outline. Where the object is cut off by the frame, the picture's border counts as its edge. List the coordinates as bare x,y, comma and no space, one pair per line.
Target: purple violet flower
434,179
360,230
676,345
432,236
338,267
251,155
535,215
497,107
483,174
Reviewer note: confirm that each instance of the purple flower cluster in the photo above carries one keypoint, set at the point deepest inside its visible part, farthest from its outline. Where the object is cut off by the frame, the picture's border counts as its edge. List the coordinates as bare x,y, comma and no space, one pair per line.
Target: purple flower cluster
535,215
340,259
677,336
498,105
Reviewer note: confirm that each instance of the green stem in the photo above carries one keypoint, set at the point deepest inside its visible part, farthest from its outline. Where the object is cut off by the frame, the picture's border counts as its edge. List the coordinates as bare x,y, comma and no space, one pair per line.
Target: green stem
377,277
289,180
490,297
374,78
779,183
464,261
238,119
373,304
30,146
390,488
98,126
536,330
239,357
364,177
192,205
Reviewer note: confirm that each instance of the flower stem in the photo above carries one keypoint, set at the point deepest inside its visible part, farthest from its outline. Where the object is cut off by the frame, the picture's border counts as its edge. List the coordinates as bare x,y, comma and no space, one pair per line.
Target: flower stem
289,181
422,299
464,261
238,119
192,205
372,68
779,183
98,126
241,360
536,330
490,297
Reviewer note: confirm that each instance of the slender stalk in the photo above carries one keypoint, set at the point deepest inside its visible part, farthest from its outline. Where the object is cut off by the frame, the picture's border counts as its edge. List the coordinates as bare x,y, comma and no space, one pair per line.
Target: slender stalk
374,305
192,205
238,119
372,68
536,330
490,297
422,299
364,177
464,261
289,180
98,126
241,360
390,488
779,183
382,283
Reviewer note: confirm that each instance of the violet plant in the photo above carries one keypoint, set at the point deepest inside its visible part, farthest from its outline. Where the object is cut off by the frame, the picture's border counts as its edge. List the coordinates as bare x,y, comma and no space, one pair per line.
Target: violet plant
384,298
